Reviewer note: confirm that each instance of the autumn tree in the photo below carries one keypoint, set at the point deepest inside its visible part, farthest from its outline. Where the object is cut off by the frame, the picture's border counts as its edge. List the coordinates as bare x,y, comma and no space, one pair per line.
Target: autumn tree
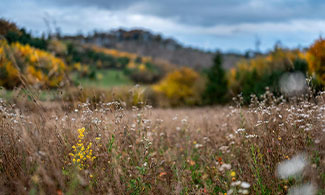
316,60
181,87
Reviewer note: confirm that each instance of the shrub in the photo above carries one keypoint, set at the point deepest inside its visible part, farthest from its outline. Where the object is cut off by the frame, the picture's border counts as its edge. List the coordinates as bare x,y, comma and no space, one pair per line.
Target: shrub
126,95
181,87
254,75
144,73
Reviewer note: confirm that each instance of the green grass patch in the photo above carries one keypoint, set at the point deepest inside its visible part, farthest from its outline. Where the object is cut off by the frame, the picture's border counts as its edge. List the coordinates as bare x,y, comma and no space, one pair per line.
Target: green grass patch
105,78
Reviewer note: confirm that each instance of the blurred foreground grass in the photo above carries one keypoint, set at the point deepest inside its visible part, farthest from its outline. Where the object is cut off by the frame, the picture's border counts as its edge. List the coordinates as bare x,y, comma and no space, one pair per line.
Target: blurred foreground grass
215,150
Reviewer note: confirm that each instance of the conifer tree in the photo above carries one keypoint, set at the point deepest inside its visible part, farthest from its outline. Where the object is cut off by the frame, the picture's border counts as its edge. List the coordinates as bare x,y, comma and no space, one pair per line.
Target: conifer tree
216,87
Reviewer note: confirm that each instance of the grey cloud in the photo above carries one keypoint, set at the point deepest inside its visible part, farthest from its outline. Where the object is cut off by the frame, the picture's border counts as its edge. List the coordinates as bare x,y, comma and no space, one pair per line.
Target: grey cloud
212,12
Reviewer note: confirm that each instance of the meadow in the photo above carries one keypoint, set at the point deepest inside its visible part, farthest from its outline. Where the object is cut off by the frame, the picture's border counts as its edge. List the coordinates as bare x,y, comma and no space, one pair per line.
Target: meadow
77,118
107,79
274,146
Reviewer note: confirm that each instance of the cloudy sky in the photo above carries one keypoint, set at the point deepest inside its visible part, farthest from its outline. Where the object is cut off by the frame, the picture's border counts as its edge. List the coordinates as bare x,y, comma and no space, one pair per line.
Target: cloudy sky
229,25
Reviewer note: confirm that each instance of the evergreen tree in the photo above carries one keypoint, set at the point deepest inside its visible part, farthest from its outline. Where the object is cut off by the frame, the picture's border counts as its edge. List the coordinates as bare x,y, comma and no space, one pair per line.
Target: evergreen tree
216,87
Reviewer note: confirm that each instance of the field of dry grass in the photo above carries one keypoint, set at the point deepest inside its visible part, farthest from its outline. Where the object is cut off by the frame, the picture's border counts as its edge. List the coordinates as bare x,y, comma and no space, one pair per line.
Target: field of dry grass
274,146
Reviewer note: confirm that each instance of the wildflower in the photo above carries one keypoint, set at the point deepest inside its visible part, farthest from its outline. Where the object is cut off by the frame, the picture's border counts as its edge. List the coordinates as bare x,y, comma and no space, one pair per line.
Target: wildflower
285,187
224,148
229,192
307,188
235,183
220,160
250,136
243,191
245,185
191,162
239,130
82,152
162,174
225,166
35,179
292,167
198,145
233,174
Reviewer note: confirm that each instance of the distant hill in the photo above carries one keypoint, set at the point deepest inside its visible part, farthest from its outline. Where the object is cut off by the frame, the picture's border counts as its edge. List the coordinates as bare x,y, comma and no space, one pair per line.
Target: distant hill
145,43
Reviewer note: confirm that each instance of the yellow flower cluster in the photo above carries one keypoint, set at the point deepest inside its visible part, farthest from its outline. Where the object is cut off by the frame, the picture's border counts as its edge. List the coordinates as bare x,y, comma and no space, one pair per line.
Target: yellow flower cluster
82,153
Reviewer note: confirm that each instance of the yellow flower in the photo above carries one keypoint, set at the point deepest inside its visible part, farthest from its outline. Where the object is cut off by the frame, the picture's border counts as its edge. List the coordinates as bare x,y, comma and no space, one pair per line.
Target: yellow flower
233,174
80,152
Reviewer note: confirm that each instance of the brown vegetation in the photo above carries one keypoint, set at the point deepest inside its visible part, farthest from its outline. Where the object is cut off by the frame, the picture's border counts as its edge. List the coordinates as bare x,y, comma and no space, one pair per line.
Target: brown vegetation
158,151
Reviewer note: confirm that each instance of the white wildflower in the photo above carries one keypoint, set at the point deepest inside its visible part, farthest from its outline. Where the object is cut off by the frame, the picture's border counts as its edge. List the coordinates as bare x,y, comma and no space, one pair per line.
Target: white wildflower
225,166
292,167
184,121
251,136
243,191
198,145
239,130
235,183
231,136
304,189
230,191
245,185
223,148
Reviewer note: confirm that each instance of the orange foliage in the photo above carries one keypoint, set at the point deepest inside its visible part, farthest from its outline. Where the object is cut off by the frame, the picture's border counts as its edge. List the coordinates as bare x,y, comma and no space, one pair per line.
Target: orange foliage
316,60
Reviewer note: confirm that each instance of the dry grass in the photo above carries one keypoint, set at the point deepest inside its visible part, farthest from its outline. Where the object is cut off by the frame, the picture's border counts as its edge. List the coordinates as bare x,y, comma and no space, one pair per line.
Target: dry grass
161,151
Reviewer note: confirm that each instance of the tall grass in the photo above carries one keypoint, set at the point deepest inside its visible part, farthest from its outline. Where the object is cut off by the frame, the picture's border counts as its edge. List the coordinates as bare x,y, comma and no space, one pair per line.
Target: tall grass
233,150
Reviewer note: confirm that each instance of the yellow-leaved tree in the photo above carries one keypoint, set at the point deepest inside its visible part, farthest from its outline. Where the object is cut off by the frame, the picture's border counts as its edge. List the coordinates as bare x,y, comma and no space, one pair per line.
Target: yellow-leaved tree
36,67
182,86
316,60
